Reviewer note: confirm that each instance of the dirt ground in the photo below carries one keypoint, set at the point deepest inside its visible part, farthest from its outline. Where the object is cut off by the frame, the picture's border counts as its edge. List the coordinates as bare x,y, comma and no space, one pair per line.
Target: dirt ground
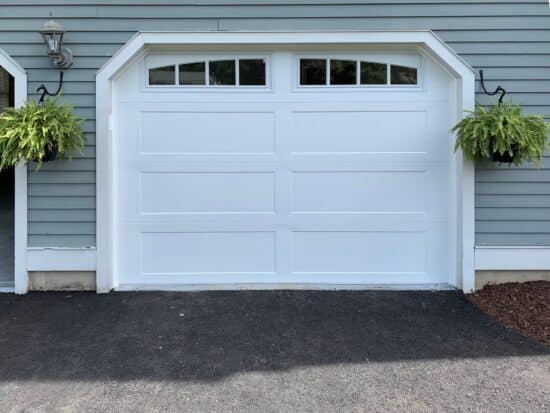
521,306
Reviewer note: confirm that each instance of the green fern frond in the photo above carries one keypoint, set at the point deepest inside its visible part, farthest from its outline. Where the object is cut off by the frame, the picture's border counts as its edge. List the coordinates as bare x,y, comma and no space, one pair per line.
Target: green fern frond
25,132
502,129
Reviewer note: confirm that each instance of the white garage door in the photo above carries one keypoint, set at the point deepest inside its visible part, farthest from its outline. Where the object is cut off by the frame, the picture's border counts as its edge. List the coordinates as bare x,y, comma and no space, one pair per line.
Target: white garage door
283,167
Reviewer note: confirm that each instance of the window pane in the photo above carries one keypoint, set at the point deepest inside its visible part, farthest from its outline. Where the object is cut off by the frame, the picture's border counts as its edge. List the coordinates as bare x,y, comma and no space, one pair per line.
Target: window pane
222,72
343,72
165,75
402,75
374,73
192,74
6,89
313,71
252,72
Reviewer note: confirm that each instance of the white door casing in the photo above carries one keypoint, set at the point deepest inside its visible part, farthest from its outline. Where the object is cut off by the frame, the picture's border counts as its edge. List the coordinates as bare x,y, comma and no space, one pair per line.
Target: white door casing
285,204
21,279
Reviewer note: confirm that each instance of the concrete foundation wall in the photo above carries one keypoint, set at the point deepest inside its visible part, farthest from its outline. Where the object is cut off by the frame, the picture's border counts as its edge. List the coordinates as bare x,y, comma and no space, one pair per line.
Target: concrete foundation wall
62,280
85,280
499,277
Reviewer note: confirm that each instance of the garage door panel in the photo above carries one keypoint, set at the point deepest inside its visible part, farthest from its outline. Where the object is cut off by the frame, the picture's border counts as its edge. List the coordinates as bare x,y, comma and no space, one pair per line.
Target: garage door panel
207,192
257,221
439,251
206,222
438,202
359,101
362,221
359,191
197,281
207,132
366,162
370,279
359,251
202,163
359,131
282,185
207,252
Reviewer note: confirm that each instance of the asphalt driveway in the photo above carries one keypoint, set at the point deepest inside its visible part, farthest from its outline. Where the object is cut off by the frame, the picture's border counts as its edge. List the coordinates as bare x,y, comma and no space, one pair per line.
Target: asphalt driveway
264,351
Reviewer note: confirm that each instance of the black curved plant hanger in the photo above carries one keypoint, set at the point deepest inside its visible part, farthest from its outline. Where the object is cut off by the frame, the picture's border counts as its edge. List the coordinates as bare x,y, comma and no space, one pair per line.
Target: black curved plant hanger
51,152
44,90
499,88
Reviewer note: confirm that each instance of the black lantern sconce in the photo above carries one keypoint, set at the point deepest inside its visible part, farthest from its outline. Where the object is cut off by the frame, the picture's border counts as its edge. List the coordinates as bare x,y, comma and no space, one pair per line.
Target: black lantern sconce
61,57
52,33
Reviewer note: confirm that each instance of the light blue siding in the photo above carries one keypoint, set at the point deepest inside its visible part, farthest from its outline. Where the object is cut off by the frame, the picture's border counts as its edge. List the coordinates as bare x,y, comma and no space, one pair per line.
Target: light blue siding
510,39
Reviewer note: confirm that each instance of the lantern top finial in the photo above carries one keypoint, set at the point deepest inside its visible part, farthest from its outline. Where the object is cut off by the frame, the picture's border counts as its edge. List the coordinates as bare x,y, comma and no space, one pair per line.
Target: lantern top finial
51,26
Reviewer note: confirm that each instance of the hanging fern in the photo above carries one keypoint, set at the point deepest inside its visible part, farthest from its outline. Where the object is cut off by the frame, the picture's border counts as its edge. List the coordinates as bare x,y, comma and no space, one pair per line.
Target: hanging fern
504,130
26,133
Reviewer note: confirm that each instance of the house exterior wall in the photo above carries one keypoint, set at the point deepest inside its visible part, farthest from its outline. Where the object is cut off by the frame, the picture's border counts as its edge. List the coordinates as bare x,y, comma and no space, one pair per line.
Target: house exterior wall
509,39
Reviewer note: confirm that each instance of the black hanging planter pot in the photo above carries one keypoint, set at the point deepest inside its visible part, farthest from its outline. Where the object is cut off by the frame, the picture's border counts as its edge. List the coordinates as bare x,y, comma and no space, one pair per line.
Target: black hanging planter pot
505,157
50,153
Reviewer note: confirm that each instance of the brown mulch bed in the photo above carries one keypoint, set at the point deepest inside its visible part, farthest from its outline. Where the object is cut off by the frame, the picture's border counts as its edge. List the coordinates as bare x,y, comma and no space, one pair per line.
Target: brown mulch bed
522,306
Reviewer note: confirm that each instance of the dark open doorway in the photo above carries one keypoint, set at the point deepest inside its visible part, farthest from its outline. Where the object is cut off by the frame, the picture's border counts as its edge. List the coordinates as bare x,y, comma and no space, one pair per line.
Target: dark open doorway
7,196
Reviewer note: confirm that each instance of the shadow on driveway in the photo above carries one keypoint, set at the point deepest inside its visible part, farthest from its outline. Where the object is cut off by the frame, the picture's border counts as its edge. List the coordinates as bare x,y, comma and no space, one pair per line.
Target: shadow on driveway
211,335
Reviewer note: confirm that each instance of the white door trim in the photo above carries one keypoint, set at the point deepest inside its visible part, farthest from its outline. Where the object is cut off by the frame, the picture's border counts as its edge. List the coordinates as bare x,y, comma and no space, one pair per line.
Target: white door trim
463,236
510,258
61,259
20,96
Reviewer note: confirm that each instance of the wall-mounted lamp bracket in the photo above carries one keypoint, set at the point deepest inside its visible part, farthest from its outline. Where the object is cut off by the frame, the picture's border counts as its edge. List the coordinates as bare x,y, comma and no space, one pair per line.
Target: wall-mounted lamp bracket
64,59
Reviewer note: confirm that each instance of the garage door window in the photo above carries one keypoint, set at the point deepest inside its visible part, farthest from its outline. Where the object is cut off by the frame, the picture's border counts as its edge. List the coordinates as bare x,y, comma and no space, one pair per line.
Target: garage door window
374,73
252,72
222,72
192,74
313,71
402,75
215,72
165,75
354,72
343,72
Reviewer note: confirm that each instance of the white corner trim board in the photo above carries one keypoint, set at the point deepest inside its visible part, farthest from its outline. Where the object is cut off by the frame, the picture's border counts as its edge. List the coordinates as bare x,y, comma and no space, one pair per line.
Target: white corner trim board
527,258
20,96
61,259
461,75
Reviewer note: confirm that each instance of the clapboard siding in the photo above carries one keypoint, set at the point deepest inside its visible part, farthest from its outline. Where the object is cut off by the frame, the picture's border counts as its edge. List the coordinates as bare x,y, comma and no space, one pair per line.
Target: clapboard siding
506,213
78,38
63,240
41,189
61,177
249,2
194,11
74,215
513,204
510,39
289,23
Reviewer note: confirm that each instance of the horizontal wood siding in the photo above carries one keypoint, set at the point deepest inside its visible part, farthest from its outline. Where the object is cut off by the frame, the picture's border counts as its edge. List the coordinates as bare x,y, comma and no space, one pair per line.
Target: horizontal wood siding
510,39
